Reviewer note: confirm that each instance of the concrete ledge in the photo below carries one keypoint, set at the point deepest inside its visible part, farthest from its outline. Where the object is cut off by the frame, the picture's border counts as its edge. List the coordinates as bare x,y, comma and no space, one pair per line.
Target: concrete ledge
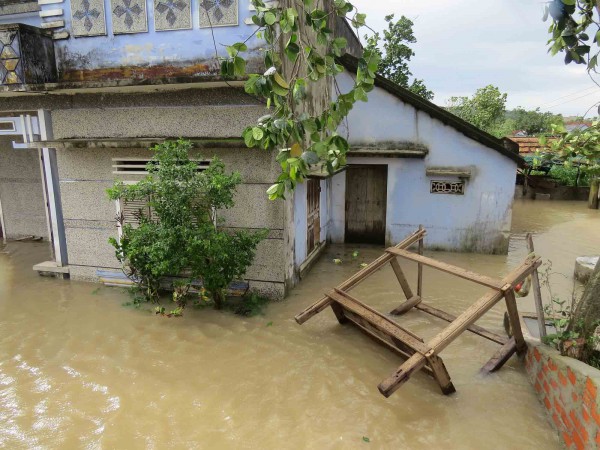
584,267
568,390
52,269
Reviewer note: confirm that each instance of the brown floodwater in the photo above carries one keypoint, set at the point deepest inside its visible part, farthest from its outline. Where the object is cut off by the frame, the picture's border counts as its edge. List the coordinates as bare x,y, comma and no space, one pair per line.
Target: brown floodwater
79,370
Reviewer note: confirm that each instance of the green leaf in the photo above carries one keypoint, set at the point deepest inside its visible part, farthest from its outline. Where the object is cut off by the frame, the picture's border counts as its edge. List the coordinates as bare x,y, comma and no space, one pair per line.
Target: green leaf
257,133
569,2
239,65
270,18
366,439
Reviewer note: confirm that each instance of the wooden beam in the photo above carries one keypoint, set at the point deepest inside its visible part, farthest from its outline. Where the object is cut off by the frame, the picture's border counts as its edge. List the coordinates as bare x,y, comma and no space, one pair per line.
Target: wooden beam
406,306
458,271
500,357
402,350
441,375
537,292
420,268
401,279
339,313
515,321
480,331
379,321
358,278
462,322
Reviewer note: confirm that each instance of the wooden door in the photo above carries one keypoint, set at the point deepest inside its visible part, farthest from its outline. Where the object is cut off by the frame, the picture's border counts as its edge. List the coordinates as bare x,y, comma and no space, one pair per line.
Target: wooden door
313,212
366,202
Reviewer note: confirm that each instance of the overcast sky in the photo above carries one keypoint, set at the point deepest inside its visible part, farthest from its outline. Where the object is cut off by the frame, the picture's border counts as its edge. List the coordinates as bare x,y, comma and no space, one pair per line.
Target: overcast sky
467,44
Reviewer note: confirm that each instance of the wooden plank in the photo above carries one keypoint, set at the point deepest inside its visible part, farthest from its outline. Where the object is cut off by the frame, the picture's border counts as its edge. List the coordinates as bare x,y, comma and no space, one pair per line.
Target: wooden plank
380,322
420,268
448,268
515,321
458,326
441,375
402,350
537,293
480,331
401,279
500,357
357,278
339,313
406,306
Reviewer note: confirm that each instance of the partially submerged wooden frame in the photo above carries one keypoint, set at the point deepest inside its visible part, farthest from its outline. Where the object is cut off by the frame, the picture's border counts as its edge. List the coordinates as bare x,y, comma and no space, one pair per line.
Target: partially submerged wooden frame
419,354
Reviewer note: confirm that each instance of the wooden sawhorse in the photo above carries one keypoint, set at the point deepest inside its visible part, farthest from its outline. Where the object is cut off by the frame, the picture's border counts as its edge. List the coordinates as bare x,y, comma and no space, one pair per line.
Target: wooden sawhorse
419,354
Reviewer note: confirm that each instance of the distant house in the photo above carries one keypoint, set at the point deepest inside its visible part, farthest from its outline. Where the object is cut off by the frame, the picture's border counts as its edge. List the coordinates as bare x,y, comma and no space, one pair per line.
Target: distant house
85,95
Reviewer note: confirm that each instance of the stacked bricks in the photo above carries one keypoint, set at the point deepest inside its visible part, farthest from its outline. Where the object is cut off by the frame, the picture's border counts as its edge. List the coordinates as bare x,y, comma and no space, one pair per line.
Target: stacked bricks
569,391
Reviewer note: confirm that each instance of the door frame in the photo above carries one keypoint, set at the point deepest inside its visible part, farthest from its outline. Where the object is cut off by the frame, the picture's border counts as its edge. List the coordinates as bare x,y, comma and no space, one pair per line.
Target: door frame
316,233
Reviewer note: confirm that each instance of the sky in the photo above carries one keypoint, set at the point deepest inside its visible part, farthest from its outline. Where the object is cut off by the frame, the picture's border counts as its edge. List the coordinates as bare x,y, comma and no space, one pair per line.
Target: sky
463,45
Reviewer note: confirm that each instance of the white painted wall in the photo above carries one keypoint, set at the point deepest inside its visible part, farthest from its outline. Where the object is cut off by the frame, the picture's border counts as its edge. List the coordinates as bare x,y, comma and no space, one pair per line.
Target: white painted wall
477,221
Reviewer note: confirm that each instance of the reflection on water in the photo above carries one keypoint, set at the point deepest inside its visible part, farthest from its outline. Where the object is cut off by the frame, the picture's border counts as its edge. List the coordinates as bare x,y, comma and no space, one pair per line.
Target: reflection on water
78,370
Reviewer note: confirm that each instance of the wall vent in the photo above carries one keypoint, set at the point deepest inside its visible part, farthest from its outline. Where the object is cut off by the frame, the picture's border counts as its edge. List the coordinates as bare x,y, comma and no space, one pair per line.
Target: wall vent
137,166
448,187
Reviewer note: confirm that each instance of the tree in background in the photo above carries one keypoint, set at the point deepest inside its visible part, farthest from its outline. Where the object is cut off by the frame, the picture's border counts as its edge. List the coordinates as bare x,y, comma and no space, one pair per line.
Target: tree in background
396,54
575,31
485,109
533,122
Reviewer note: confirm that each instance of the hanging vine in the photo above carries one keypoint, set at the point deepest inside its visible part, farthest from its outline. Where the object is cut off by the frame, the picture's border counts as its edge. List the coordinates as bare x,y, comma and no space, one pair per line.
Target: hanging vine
301,55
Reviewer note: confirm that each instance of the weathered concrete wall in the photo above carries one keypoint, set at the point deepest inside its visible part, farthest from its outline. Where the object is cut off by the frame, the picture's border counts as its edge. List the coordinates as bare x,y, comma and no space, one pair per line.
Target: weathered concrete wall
21,193
477,221
89,216
569,391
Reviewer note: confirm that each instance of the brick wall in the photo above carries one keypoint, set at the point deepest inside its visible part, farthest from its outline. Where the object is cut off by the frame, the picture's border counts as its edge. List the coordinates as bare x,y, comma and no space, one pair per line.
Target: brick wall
569,391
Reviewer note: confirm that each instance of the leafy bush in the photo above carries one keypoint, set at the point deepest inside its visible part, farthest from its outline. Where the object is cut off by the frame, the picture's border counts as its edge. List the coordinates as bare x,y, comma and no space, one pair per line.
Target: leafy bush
180,232
567,175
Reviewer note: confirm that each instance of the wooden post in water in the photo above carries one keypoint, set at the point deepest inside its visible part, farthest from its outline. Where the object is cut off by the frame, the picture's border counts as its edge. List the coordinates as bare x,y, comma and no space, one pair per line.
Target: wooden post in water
594,190
537,292
420,268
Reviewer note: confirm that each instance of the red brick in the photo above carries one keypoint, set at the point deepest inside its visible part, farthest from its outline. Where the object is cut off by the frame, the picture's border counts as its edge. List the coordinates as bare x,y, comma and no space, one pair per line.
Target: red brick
547,403
536,354
575,397
554,384
546,387
595,415
538,386
557,406
540,375
582,432
562,378
566,421
579,445
598,438
585,414
556,421
590,388
567,439
552,365
571,375
545,369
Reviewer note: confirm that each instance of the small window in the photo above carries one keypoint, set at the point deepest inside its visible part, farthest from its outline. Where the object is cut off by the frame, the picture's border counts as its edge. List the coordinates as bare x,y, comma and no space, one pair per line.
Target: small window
448,187
137,166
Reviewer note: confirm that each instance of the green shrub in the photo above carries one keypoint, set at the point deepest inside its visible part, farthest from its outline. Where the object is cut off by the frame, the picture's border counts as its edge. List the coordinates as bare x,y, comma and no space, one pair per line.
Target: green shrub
180,232
567,175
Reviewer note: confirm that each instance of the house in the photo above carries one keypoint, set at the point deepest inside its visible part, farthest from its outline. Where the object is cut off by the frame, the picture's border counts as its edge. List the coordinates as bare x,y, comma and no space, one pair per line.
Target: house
87,86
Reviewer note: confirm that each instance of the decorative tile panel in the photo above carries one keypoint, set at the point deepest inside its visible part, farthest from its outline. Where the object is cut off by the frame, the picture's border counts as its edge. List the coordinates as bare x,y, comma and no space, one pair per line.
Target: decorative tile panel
88,18
11,72
218,13
129,16
172,15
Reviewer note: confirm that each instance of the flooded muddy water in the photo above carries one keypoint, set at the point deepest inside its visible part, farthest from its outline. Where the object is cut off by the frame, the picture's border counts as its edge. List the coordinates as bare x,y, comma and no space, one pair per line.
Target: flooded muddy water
79,370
